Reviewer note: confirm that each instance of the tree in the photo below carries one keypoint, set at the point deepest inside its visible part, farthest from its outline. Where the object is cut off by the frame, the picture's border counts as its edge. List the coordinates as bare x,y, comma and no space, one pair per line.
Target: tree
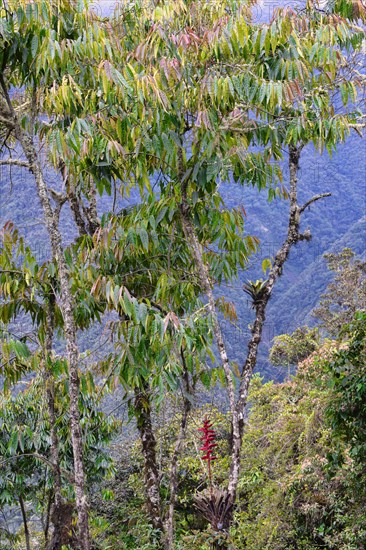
345,295
29,289
227,130
346,408
30,34
163,334
27,457
291,493
43,49
239,103
189,95
289,349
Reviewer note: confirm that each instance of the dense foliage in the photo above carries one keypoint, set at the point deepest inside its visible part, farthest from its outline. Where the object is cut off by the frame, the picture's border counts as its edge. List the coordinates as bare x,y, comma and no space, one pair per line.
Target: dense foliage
302,484
163,103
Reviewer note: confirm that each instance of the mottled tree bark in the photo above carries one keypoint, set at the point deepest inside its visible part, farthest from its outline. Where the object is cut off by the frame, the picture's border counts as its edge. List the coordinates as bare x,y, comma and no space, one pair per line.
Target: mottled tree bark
66,304
151,473
85,217
207,287
56,539
75,209
91,213
292,238
26,141
173,475
47,521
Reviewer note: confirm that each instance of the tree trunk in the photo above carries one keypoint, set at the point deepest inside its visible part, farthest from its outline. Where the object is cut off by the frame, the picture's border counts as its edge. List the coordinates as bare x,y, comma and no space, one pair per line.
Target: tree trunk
91,212
207,286
56,540
25,523
173,481
151,473
78,209
66,304
238,405
208,289
48,518
293,237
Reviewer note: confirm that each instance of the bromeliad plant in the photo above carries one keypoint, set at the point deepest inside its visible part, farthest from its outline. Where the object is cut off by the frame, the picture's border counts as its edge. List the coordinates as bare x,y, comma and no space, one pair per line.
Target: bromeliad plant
187,94
214,504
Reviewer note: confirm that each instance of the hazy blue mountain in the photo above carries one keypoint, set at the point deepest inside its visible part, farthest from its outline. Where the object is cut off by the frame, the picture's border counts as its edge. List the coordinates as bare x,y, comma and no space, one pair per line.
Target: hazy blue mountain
335,223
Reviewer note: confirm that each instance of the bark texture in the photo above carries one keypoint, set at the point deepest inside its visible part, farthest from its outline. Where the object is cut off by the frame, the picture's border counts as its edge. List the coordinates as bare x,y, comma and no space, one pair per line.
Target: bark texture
57,539
66,304
173,478
151,473
293,237
85,217
26,141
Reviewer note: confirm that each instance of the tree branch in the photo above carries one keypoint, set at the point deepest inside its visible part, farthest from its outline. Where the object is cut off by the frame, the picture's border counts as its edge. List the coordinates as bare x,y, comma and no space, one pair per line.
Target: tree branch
293,237
313,199
60,200
6,121
42,458
14,162
7,96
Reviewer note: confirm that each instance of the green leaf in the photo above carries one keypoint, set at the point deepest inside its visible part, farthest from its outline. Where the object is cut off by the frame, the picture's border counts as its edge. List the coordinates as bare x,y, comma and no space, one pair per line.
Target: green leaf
144,238
266,265
13,442
34,45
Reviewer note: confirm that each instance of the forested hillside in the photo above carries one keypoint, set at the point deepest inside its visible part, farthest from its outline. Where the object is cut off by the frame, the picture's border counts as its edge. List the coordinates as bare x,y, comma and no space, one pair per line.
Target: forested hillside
182,275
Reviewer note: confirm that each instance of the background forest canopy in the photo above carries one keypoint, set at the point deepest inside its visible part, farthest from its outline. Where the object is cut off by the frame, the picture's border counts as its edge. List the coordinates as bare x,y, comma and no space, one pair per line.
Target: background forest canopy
164,217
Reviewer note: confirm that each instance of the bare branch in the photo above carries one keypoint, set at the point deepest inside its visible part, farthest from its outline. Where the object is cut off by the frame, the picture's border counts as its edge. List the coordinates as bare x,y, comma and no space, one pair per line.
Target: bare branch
313,199
59,198
14,162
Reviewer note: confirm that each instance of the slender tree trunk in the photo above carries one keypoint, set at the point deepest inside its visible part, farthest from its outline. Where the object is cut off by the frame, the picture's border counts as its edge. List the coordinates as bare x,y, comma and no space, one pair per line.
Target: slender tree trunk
91,212
48,518
173,480
238,405
25,523
207,285
66,304
56,541
260,317
151,473
292,238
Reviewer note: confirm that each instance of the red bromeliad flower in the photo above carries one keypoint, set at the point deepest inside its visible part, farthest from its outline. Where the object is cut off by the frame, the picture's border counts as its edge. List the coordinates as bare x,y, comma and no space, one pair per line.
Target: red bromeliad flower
208,438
